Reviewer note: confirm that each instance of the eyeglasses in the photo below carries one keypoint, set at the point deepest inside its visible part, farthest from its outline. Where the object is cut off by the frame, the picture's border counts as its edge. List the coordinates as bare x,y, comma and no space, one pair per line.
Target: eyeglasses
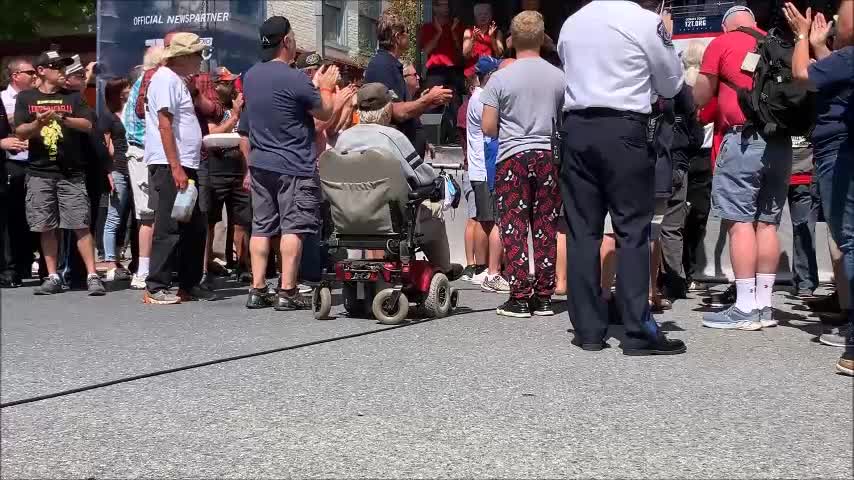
28,72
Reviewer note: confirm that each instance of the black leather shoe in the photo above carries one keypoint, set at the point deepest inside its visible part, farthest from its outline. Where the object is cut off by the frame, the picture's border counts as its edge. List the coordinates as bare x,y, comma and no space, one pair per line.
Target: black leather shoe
590,347
660,346
260,298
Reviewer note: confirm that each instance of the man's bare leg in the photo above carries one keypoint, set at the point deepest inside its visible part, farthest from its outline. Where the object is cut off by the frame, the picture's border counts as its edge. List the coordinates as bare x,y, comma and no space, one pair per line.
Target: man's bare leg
50,250
291,250
560,268
259,250
86,247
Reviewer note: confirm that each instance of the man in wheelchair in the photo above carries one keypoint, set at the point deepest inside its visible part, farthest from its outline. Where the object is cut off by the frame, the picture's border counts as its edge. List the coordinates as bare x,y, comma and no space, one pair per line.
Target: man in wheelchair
373,132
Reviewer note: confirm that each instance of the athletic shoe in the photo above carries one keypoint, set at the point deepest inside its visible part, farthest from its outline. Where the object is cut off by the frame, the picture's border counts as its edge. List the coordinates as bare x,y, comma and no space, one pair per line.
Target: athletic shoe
455,272
161,297
828,304
287,303
198,292
260,298
118,274
496,284
10,280
721,300
95,286
468,273
733,319
479,277
805,293
834,336
766,318
515,307
304,289
695,287
845,365
541,306
51,286
137,282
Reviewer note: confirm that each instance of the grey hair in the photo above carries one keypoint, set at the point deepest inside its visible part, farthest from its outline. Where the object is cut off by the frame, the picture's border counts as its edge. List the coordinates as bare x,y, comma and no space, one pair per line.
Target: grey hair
381,116
692,57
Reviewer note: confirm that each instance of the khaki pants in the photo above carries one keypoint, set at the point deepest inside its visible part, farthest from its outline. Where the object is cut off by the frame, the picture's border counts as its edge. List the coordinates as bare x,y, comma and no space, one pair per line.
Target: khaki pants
434,239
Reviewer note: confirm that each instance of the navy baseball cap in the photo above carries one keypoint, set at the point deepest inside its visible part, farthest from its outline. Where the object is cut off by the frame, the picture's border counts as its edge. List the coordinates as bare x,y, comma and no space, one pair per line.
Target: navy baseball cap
272,32
486,65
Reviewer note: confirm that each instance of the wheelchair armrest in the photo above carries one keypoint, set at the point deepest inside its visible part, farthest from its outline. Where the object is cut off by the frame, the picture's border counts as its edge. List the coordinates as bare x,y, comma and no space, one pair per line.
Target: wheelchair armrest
431,192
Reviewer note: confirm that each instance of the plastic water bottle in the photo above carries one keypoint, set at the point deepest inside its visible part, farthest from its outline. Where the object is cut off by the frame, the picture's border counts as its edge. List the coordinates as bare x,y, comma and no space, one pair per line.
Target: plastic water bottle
185,202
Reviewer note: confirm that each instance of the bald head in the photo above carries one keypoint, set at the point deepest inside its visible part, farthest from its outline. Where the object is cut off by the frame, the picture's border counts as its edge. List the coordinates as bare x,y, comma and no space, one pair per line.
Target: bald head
739,19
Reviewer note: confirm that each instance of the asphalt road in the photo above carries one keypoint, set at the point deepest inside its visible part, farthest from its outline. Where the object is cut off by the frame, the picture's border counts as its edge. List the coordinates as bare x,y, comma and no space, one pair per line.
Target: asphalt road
473,396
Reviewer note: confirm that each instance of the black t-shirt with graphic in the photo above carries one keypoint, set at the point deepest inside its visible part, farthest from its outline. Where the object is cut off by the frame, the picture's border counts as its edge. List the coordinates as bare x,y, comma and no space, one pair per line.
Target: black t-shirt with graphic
56,151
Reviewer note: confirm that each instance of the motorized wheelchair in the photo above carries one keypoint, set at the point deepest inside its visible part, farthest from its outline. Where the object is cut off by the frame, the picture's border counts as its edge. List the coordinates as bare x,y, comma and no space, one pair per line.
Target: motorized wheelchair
371,207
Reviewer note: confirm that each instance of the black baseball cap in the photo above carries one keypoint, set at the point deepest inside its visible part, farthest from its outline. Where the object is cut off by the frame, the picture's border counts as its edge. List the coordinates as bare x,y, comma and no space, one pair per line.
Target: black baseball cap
52,57
272,32
309,60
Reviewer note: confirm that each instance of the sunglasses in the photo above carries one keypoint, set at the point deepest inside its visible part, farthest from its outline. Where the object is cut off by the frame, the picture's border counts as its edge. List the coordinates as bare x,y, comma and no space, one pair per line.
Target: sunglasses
28,72
54,66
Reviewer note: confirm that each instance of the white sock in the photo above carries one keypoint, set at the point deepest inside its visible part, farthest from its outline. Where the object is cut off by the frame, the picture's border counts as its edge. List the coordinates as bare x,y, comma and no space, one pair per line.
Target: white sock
55,276
764,289
746,294
142,268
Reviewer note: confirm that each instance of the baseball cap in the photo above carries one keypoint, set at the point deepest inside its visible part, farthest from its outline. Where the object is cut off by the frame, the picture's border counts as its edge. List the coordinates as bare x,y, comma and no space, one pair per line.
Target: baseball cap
374,96
735,9
486,65
272,31
52,57
225,75
184,43
309,60
75,67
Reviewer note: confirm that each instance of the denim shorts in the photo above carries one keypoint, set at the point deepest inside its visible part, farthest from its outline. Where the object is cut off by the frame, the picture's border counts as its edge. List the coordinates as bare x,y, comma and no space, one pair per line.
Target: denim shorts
751,178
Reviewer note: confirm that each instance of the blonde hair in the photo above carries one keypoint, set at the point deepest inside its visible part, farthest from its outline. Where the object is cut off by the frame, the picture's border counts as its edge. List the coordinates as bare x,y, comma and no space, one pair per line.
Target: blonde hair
692,57
153,57
528,30
381,116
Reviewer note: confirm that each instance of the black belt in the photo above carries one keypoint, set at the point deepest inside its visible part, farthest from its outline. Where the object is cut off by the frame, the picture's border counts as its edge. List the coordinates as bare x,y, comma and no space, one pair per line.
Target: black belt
600,112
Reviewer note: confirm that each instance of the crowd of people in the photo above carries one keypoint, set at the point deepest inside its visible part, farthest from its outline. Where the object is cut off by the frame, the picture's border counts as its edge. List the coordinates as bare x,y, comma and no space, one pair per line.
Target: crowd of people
611,162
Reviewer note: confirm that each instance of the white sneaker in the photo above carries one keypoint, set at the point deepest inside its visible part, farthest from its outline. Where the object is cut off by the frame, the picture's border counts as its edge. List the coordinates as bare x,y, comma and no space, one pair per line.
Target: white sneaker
304,289
137,282
495,284
479,278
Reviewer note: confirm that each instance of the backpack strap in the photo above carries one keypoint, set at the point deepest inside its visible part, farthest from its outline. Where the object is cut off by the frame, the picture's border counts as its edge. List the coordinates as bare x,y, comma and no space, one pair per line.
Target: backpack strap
759,36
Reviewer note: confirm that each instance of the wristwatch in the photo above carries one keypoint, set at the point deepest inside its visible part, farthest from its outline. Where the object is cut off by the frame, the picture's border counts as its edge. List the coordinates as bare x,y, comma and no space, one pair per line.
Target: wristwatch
801,36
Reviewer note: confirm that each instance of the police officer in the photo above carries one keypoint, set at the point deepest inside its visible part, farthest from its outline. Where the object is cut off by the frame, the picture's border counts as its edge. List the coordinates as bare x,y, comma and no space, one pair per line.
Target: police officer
607,165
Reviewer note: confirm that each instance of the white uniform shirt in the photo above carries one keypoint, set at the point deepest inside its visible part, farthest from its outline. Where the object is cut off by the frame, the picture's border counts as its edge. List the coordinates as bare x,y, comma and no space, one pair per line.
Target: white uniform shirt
615,54
168,91
475,138
10,97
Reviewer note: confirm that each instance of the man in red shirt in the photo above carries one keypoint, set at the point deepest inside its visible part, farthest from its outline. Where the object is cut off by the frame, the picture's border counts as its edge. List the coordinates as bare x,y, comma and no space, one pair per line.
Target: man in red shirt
442,42
750,183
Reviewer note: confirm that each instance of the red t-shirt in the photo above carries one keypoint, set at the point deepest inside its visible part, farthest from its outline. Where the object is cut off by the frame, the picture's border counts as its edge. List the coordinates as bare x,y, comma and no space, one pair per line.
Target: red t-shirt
446,53
723,59
481,47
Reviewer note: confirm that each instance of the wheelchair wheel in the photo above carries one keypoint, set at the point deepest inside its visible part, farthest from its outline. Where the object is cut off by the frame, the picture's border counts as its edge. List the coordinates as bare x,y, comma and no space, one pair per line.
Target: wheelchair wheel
439,297
355,307
321,303
385,312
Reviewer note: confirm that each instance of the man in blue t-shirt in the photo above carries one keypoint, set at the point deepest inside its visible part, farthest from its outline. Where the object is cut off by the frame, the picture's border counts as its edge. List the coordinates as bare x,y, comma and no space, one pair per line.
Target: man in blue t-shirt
277,131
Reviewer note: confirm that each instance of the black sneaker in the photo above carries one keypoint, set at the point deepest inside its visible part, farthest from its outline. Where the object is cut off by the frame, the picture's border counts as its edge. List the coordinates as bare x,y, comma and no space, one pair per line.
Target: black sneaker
515,307
455,272
541,306
828,304
468,273
95,286
722,300
660,346
51,286
198,292
10,280
260,298
295,301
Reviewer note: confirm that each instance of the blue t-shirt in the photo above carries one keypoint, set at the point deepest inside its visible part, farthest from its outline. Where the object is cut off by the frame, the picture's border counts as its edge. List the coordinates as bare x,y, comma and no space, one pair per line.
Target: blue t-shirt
386,69
278,121
833,76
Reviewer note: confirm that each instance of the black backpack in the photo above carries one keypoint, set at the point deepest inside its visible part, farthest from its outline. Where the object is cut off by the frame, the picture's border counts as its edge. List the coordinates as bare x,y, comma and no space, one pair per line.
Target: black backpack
776,105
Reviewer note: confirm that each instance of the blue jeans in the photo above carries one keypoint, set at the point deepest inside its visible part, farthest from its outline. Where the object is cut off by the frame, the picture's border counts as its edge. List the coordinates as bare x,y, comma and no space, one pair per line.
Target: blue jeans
840,203
803,215
116,212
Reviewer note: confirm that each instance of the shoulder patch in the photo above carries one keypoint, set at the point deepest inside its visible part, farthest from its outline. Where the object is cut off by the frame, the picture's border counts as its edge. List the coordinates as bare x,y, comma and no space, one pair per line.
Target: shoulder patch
665,36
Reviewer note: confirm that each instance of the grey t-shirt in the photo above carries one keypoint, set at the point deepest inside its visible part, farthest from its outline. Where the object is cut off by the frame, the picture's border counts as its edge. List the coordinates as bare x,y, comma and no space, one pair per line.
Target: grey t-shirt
528,95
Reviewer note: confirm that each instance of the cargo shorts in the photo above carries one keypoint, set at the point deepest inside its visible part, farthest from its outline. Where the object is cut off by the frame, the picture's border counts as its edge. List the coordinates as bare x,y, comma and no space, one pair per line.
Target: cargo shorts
57,203
284,204
751,179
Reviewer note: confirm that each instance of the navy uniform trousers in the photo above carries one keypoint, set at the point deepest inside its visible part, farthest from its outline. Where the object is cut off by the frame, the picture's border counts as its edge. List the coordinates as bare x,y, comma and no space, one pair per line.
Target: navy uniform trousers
608,166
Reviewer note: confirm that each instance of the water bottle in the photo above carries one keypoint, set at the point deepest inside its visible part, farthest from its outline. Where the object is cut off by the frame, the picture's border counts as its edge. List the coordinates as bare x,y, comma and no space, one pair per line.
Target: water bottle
185,202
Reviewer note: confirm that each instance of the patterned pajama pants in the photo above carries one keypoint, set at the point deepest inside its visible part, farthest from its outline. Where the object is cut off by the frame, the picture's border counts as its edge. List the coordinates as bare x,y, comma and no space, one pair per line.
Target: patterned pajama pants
527,193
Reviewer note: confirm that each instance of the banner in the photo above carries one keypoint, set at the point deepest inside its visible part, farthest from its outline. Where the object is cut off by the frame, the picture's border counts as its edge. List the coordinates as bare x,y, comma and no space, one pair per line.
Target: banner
127,27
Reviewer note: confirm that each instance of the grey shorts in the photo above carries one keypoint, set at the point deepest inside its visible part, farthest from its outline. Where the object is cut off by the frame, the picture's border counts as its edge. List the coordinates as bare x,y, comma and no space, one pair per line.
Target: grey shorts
484,201
284,204
751,179
468,193
138,173
57,203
